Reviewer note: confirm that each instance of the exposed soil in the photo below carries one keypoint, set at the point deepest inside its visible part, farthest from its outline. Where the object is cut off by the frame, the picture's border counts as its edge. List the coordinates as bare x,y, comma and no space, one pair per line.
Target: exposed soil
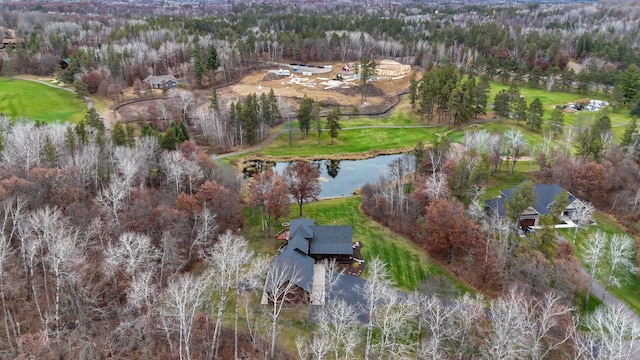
321,87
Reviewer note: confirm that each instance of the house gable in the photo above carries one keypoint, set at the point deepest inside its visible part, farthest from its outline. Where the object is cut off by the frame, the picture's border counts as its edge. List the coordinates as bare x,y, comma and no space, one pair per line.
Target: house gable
301,263
308,243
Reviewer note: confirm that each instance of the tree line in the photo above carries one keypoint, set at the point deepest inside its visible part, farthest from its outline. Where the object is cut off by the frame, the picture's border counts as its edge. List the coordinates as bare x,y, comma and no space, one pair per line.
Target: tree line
120,50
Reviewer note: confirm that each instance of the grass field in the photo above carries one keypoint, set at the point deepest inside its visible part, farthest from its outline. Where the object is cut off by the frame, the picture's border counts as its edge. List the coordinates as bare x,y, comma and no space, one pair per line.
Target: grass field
408,264
28,99
359,141
348,142
619,117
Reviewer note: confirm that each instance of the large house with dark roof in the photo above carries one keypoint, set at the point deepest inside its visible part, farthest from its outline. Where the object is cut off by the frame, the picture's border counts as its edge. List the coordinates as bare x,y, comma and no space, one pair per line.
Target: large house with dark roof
307,246
545,196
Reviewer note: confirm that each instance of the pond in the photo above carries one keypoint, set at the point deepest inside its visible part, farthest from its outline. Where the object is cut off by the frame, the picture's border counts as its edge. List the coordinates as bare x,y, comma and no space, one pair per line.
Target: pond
342,177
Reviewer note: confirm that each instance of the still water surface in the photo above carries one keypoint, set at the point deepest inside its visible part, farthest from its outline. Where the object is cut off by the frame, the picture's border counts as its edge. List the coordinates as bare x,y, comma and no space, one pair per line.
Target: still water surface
349,174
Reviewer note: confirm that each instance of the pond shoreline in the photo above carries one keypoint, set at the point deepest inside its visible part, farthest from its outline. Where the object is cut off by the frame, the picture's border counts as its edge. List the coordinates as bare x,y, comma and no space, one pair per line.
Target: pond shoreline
239,162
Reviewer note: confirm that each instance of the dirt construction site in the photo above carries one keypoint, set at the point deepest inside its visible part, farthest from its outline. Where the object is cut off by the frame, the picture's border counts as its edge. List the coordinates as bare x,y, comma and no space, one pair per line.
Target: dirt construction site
331,84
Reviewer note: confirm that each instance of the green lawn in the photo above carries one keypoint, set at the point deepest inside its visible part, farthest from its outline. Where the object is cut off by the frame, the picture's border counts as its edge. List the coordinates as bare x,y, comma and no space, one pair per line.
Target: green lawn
358,141
348,142
408,264
503,179
628,293
619,117
28,99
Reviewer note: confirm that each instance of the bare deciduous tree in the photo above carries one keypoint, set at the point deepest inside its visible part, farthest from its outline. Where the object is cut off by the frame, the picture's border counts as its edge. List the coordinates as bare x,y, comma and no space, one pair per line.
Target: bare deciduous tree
132,254
181,301
374,292
610,333
593,251
337,321
391,318
280,283
228,256
582,216
5,254
173,164
206,228
113,196
620,261
516,144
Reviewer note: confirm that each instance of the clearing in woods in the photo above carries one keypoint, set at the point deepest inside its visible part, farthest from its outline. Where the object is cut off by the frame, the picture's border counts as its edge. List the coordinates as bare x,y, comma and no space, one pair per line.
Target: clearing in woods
324,87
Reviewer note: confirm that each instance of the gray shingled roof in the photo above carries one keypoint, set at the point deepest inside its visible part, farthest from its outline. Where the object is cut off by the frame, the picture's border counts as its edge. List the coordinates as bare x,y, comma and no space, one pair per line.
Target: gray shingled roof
302,227
325,240
331,240
545,195
300,261
497,206
151,79
300,243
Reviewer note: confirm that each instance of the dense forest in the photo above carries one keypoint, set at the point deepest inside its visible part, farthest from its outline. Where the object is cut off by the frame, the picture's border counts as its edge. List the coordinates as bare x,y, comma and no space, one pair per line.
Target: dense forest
127,242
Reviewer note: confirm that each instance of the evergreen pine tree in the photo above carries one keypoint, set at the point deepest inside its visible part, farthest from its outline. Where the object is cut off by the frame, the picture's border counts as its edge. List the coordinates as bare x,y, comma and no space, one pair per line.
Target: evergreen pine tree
305,113
276,116
557,121
481,96
501,104
169,140
118,135
81,88
93,119
333,123
413,90
7,69
184,134
70,139
81,132
629,83
520,109
50,152
149,130
536,111
214,99
199,67
131,135
212,59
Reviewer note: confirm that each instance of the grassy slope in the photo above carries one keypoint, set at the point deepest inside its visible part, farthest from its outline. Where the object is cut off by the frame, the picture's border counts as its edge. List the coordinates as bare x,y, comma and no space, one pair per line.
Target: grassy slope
362,140
349,142
619,117
365,139
20,99
408,264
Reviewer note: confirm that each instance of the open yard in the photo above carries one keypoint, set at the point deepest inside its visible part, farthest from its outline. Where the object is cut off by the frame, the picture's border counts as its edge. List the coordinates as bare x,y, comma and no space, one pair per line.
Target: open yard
619,117
409,265
27,99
